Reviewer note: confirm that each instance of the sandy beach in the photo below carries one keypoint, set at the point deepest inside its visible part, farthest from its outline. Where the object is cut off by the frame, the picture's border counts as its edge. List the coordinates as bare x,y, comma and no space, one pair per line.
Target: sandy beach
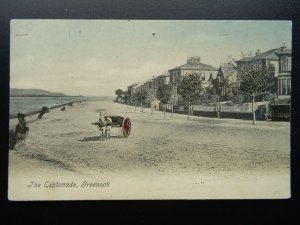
163,158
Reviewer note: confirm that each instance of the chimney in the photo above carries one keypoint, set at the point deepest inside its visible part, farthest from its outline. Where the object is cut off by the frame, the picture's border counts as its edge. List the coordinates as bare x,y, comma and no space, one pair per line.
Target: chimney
257,52
193,59
283,47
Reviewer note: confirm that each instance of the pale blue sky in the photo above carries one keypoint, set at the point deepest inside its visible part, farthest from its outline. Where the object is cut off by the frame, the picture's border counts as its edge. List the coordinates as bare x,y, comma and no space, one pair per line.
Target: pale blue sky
95,57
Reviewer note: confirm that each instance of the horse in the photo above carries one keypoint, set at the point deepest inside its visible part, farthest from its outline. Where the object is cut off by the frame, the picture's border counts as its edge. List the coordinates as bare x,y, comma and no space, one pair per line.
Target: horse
102,127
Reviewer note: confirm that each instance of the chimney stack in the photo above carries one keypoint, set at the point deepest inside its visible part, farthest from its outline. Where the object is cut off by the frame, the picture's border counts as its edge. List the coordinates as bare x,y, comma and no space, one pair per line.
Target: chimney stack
257,52
193,59
283,47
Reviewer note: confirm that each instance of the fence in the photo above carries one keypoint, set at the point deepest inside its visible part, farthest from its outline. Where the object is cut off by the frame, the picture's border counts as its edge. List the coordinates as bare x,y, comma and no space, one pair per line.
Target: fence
13,116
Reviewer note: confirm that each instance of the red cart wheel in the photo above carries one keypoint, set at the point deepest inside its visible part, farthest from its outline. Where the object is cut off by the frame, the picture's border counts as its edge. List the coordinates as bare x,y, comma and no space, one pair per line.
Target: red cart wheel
126,127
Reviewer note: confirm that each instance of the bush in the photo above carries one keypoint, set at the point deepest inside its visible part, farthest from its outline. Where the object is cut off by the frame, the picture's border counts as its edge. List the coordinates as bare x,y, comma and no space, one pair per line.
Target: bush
236,99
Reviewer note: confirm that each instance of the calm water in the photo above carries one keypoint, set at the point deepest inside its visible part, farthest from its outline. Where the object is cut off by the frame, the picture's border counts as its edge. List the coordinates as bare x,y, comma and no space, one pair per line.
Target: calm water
28,104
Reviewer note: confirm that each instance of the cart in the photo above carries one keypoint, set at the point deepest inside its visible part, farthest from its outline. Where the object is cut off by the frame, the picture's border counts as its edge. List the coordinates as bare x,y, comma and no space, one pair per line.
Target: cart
120,127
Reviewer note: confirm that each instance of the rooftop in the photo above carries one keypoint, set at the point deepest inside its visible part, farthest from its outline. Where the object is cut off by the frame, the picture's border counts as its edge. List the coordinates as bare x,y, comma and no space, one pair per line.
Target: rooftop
193,63
227,69
271,54
195,66
284,52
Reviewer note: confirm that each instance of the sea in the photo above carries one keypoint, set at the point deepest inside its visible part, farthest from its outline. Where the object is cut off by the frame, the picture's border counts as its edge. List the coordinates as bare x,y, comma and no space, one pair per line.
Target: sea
30,104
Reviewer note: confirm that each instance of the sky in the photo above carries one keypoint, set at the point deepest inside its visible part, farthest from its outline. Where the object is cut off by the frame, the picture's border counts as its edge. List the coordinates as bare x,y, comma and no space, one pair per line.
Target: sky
96,57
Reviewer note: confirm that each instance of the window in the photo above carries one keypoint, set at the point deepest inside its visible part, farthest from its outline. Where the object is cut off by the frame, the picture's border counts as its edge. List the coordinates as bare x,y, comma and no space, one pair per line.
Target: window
279,86
178,76
288,86
202,75
284,64
284,86
289,67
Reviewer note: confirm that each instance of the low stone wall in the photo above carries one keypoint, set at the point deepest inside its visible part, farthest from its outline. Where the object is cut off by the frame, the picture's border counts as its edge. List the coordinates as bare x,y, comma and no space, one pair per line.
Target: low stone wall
237,115
232,115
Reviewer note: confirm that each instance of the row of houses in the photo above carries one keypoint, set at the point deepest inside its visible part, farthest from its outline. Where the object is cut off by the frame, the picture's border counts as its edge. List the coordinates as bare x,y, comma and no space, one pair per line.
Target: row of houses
225,79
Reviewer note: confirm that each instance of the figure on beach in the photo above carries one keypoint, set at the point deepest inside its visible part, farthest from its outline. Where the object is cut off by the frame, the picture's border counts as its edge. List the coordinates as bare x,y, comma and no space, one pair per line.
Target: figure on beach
20,132
44,110
63,108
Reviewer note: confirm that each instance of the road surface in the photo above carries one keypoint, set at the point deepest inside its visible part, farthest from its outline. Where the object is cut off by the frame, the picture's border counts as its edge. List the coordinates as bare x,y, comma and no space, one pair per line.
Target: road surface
162,158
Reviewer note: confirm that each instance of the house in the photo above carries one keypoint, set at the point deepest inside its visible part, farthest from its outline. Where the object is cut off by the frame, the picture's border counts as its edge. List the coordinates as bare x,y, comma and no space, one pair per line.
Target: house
281,60
259,61
148,85
160,80
139,87
284,74
225,80
193,65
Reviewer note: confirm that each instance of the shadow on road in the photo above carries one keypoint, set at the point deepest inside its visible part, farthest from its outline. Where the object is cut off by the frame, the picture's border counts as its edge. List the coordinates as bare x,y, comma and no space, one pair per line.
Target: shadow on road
94,138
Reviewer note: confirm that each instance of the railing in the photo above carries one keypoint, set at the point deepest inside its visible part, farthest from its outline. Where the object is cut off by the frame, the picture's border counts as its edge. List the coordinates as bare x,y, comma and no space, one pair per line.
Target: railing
13,116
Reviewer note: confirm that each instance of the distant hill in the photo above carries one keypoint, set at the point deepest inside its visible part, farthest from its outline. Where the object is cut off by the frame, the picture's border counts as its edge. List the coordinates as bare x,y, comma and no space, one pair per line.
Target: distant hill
16,92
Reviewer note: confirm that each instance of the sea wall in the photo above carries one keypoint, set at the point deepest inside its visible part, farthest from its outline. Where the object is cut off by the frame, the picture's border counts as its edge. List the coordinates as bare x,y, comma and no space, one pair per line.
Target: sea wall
13,116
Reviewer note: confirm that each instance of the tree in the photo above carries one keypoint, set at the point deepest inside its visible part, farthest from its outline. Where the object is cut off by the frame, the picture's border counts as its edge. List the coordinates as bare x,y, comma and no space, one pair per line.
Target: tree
141,96
133,99
125,97
119,94
255,82
150,97
191,89
164,95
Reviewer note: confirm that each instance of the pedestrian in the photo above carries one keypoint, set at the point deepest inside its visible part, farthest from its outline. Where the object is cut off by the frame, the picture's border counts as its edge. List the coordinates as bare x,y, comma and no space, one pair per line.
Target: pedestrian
20,132
21,127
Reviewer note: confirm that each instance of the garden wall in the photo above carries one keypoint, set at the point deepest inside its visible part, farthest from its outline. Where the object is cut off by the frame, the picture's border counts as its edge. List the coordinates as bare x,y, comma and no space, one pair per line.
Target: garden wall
232,115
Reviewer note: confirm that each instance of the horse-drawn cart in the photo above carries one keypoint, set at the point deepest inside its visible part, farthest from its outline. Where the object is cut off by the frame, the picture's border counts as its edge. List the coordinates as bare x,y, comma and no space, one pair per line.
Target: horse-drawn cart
118,126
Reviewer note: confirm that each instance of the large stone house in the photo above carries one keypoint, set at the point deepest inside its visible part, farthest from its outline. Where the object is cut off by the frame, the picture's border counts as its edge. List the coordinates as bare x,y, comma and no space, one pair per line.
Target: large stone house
193,65
258,61
280,59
